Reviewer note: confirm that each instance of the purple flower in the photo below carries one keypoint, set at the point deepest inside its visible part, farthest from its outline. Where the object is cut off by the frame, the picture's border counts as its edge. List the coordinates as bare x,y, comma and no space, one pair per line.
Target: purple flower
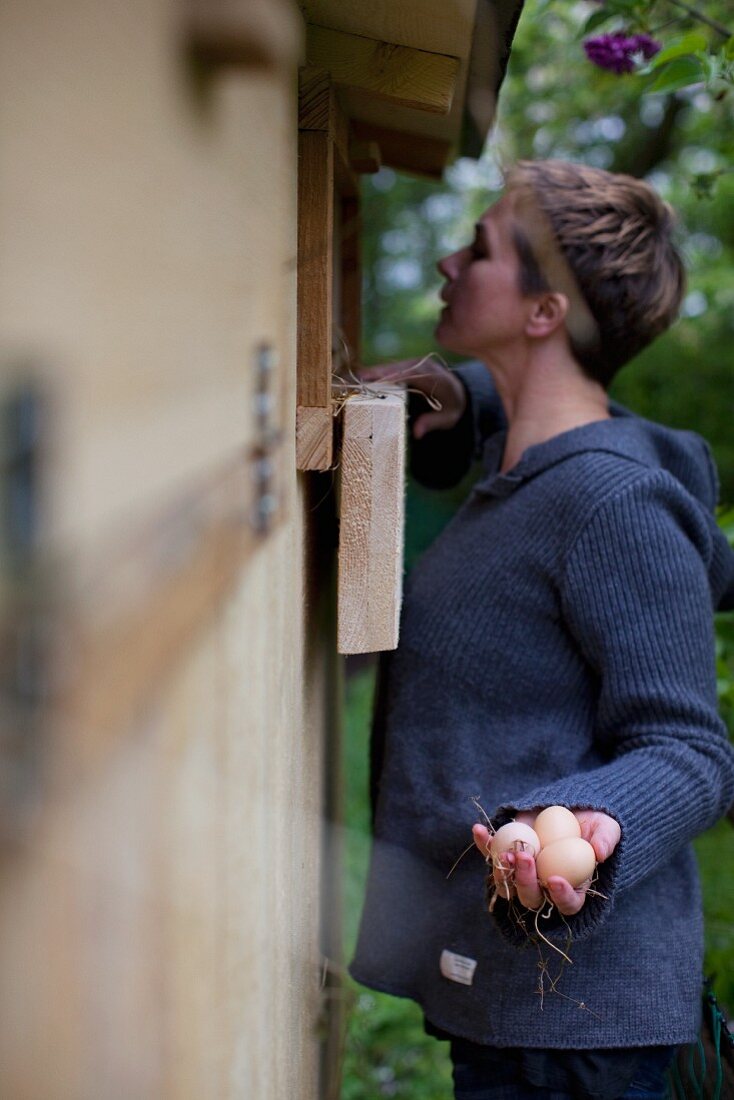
645,45
619,52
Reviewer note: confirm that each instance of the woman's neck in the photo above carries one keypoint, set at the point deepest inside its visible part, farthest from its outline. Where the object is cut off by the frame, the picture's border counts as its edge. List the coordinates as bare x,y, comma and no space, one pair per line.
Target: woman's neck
543,401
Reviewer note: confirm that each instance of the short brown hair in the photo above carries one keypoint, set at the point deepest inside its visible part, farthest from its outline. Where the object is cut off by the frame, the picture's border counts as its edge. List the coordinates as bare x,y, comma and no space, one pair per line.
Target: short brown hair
615,234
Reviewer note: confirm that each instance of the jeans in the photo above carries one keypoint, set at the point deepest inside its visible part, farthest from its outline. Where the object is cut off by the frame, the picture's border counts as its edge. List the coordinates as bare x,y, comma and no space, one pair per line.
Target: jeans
492,1077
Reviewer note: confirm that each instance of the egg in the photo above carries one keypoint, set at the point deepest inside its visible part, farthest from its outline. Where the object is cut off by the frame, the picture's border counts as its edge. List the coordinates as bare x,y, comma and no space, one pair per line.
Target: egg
514,837
572,858
555,823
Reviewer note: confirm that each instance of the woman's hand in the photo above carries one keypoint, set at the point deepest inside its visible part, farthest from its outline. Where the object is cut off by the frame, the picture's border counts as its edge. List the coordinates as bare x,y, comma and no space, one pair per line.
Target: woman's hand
432,379
520,878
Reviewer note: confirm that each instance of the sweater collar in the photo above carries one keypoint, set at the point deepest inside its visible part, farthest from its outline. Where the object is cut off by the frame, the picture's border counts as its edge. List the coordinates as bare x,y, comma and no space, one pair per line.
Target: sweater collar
619,435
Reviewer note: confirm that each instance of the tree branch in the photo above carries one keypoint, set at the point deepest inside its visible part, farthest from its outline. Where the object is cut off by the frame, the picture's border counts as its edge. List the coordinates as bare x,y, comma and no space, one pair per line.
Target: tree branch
718,27
644,149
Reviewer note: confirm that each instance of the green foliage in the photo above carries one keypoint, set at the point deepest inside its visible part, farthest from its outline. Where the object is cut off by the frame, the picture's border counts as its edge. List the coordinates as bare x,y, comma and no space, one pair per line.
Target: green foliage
715,852
389,1054
691,43
696,56
725,645
680,73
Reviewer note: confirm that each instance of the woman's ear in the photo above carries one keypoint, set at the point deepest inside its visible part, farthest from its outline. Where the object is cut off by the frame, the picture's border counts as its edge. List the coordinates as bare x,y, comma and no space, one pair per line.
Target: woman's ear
548,313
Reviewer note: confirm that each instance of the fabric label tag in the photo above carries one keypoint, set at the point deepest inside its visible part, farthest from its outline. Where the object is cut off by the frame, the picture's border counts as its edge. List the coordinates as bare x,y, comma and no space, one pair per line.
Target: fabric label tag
458,968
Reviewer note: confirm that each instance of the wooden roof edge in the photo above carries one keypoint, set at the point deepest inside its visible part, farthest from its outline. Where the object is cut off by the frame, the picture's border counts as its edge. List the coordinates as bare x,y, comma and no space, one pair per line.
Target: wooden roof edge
495,24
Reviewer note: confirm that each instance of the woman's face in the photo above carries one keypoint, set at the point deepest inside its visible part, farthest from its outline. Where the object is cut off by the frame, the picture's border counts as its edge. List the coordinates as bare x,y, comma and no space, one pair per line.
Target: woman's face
485,310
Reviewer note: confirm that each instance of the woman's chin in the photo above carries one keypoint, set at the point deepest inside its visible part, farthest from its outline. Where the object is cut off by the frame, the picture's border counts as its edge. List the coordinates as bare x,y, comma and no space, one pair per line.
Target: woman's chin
447,338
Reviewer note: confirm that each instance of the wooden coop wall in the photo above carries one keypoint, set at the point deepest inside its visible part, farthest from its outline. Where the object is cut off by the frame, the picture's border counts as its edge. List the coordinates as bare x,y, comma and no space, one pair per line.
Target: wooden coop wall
160,909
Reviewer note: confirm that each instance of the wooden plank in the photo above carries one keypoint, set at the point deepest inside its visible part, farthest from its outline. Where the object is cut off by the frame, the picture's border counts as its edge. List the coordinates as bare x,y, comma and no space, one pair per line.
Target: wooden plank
408,152
253,34
372,521
314,438
315,244
398,74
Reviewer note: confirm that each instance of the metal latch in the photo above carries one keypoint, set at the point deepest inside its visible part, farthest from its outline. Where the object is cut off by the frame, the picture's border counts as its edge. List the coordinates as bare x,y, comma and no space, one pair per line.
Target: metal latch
23,648
267,439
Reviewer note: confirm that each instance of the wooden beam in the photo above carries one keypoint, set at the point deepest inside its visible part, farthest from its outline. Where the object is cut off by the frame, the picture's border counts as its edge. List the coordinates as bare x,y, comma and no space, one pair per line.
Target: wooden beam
315,245
365,157
424,156
259,33
314,438
399,74
371,526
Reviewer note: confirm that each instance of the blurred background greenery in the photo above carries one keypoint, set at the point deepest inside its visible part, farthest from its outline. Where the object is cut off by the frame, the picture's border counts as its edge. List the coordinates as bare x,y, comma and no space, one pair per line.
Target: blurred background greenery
555,103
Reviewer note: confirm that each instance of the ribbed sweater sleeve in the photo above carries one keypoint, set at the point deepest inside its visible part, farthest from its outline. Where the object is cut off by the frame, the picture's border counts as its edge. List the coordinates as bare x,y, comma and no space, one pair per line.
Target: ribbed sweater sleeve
442,458
636,598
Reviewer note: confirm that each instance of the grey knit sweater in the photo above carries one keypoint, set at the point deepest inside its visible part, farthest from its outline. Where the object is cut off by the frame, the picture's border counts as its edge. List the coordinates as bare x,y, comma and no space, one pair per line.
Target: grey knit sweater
556,647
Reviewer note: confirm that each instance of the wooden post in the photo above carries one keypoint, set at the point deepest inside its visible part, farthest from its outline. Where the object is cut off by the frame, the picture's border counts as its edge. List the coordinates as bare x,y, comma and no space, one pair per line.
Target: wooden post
372,521
316,144
315,248
351,288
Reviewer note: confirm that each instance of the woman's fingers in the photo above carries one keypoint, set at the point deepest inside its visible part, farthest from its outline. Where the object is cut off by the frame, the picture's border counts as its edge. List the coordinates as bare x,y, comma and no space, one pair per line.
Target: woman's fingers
482,839
516,873
504,874
567,900
441,387
602,832
526,881
431,421
388,372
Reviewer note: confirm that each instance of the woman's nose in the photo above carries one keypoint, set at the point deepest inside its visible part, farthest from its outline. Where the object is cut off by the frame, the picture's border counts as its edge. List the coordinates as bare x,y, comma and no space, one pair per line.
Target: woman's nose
448,266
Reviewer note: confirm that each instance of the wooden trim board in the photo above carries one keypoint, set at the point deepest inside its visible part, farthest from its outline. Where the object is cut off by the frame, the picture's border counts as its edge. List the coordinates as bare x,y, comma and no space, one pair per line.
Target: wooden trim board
398,74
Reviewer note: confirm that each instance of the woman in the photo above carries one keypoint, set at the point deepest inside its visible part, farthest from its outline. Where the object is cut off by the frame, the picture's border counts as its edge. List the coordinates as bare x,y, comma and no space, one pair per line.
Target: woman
556,647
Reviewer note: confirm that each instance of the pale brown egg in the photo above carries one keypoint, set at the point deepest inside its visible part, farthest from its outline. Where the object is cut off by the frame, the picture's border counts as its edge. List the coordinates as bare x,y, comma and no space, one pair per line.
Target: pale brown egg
515,837
555,823
572,858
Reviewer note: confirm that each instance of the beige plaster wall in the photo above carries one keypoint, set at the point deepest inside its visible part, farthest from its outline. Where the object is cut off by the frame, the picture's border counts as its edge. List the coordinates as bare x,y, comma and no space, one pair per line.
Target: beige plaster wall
160,913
